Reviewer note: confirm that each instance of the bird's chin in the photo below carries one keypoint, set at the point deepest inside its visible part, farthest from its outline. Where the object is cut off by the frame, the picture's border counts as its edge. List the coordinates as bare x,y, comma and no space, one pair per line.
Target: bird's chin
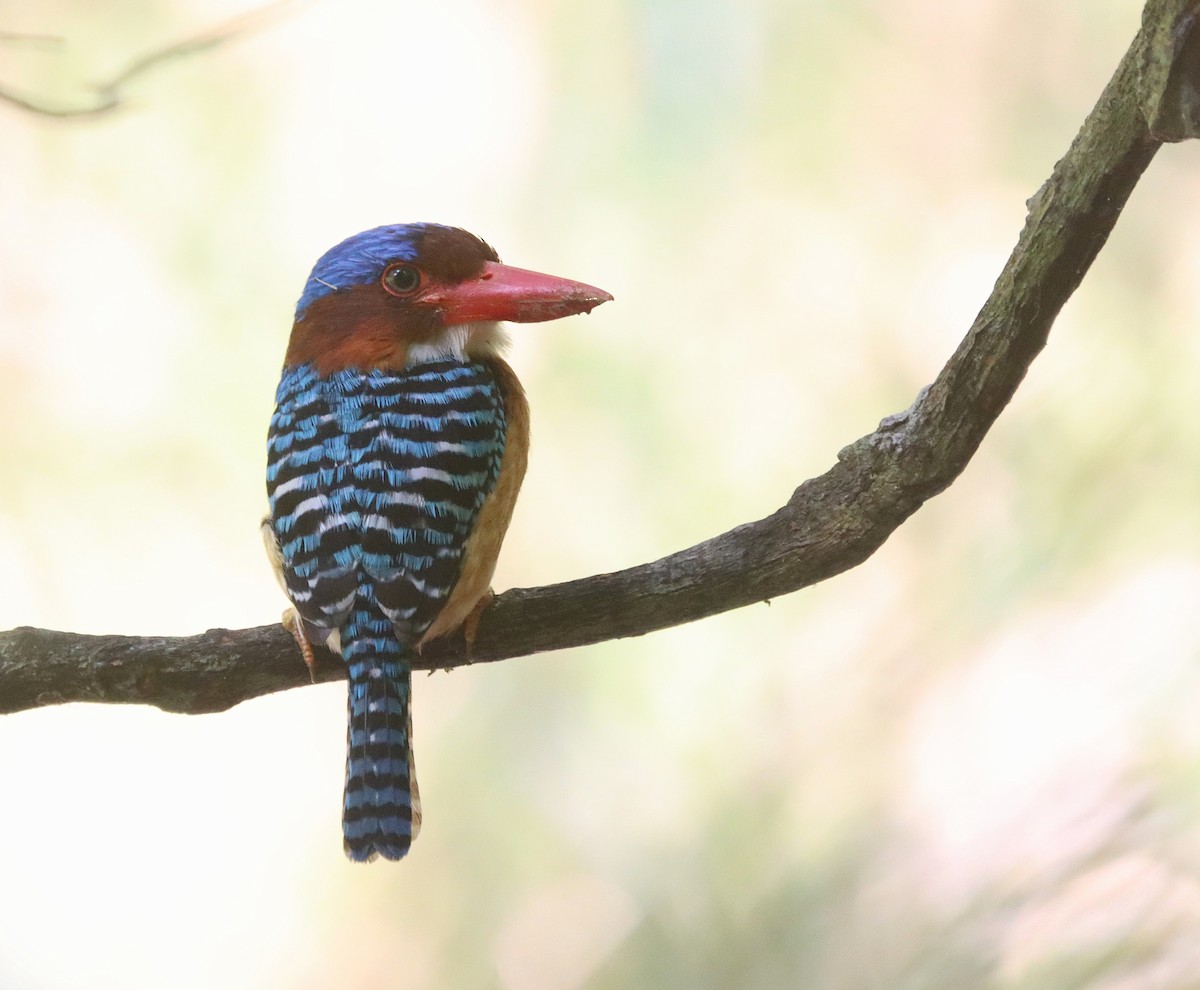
487,338
462,342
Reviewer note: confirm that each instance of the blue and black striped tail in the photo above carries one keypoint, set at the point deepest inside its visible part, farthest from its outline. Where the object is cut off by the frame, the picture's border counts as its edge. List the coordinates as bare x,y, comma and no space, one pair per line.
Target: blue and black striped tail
381,813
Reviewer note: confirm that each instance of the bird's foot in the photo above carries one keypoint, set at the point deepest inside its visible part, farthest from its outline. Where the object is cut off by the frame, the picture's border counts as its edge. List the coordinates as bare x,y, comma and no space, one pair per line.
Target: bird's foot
293,624
471,622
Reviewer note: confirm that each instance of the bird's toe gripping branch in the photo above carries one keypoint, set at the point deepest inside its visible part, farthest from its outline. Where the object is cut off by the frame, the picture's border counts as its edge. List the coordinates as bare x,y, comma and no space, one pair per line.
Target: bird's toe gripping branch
292,623
469,626
471,622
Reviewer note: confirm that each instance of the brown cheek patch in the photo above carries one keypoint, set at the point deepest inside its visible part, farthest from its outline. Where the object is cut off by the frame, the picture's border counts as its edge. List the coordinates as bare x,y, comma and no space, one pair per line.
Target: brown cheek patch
371,343
359,327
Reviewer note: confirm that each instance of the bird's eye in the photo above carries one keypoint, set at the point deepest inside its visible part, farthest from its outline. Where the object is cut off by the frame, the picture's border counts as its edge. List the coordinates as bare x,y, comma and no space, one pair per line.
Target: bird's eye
401,280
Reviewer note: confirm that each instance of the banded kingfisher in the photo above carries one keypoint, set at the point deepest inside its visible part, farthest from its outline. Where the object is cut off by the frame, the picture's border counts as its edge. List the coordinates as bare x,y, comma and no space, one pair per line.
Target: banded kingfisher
394,457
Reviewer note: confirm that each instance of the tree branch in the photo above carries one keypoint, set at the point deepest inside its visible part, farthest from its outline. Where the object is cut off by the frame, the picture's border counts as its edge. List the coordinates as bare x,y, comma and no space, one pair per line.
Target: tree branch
830,524
109,94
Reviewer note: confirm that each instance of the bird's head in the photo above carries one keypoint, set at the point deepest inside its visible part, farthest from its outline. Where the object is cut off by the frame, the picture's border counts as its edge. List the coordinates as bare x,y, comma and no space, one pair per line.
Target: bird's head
399,294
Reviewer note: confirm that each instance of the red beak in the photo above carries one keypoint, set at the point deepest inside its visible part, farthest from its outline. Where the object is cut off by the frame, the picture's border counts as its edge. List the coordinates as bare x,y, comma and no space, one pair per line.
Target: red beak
501,292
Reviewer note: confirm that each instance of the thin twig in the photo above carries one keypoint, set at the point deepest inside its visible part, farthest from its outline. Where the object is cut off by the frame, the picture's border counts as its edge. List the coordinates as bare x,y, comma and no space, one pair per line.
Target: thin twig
109,94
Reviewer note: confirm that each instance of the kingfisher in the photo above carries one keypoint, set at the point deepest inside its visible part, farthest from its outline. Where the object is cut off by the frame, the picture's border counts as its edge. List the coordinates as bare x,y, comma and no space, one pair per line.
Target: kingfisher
394,457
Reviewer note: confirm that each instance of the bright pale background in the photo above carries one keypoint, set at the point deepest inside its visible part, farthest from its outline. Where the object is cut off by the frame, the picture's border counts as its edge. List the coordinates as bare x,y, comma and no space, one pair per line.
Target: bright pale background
972,762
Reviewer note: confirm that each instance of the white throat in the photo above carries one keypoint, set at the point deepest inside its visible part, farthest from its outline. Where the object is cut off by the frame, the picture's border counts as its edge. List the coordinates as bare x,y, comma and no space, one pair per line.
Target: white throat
464,342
